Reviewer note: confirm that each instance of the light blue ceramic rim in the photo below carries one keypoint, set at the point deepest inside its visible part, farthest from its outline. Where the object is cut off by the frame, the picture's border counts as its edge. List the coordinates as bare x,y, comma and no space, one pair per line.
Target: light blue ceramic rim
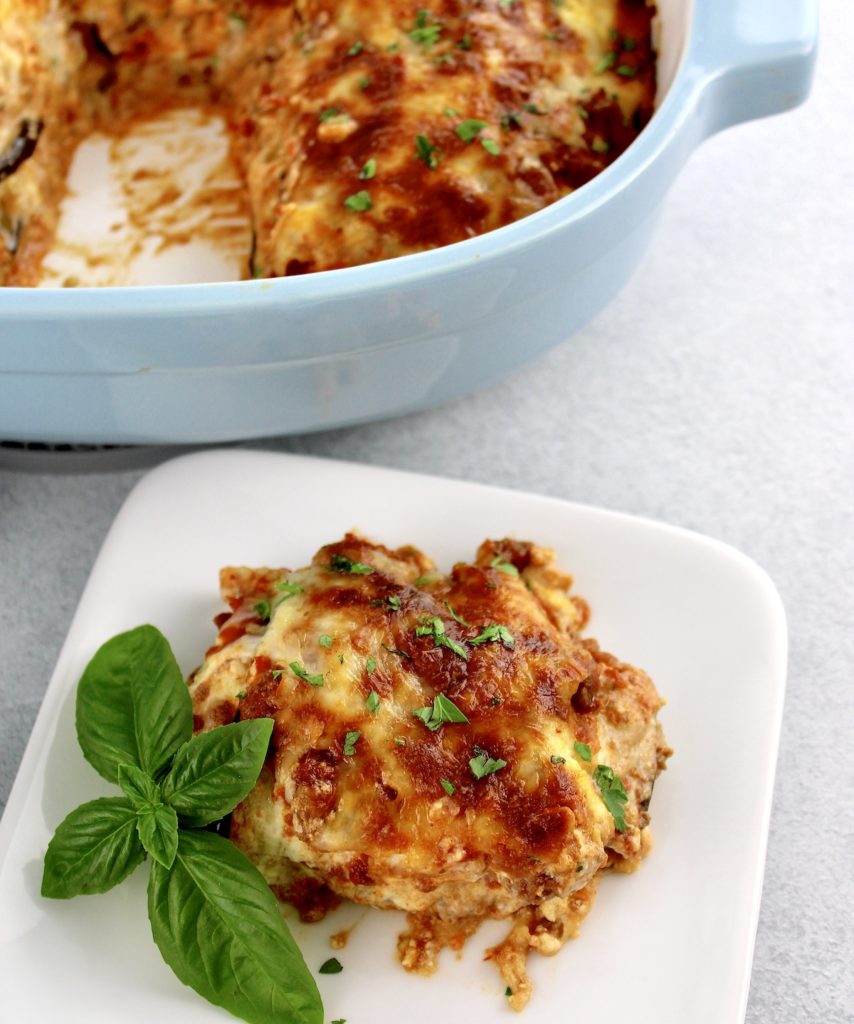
708,55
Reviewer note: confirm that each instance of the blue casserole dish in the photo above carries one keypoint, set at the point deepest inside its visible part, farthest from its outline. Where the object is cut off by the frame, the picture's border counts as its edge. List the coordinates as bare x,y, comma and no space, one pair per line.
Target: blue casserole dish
217,362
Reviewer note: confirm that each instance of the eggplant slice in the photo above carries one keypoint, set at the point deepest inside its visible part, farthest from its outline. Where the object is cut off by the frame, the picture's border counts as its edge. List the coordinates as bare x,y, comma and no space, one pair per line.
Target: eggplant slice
21,149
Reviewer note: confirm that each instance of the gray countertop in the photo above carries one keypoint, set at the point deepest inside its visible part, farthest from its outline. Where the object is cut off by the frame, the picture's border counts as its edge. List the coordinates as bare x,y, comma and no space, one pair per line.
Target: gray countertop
716,393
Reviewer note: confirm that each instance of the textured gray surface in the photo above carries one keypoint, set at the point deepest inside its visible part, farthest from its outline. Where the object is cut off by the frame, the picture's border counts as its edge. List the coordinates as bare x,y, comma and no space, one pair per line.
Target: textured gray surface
715,393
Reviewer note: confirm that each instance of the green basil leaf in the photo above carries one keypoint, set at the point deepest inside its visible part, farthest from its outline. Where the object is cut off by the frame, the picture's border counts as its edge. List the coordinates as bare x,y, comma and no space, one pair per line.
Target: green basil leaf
215,770
157,826
138,787
95,848
220,929
133,706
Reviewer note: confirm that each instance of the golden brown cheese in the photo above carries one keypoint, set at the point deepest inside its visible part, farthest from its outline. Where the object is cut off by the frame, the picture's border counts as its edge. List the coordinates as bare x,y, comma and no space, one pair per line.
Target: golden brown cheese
39,108
494,810
364,129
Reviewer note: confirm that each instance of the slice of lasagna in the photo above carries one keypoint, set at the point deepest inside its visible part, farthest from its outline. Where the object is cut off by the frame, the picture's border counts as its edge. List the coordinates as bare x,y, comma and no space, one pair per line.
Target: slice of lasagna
444,745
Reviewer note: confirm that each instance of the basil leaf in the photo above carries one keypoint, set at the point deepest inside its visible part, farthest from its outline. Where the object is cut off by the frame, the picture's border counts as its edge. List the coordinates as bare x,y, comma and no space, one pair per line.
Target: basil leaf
215,770
220,929
95,848
138,787
157,826
133,706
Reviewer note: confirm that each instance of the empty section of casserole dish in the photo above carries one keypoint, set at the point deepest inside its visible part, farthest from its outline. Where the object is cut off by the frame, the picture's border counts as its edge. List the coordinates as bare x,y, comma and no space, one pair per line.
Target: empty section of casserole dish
362,129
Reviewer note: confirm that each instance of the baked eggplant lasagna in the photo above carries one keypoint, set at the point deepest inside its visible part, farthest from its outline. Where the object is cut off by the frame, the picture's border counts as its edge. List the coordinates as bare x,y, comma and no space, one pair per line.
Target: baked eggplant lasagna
447,745
363,129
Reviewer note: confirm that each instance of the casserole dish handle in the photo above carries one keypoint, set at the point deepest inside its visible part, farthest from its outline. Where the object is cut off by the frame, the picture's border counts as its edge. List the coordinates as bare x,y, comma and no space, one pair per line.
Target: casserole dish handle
757,57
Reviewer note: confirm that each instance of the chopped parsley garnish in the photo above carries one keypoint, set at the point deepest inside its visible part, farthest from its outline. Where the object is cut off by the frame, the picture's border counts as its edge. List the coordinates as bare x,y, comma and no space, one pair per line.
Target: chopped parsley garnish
392,48
510,120
532,108
433,626
608,61
508,991
582,750
350,741
422,579
333,964
502,565
241,695
505,5
455,617
495,634
496,701
613,793
341,563
579,868
370,666
288,589
341,659
369,170
426,32
360,202
426,151
356,48
482,764
301,673
582,113
394,602
325,640
465,42
363,82
399,653
557,759
400,741
448,112
629,43
237,20
469,129
599,145
442,710
491,146
263,609
329,113
372,702
627,71
448,787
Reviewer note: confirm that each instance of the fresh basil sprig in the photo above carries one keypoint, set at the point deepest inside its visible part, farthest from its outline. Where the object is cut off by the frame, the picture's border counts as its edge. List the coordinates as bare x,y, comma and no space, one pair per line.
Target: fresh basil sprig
213,917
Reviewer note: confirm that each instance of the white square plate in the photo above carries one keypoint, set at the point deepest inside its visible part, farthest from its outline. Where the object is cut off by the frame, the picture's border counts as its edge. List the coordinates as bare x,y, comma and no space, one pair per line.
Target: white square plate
667,945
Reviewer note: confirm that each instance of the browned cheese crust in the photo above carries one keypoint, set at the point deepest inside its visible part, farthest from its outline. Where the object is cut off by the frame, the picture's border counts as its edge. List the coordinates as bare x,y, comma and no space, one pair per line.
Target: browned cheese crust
363,129
362,799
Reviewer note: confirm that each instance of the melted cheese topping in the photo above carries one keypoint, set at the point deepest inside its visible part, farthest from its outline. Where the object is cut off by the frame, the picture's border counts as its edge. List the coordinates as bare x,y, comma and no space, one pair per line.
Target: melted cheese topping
364,129
349,655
